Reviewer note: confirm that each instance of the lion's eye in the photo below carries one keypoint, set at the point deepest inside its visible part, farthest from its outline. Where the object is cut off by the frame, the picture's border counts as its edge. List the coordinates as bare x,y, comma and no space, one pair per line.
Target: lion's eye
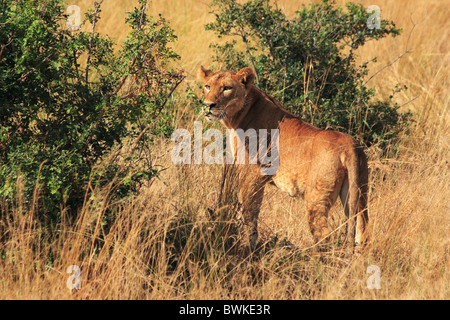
227,88
207,87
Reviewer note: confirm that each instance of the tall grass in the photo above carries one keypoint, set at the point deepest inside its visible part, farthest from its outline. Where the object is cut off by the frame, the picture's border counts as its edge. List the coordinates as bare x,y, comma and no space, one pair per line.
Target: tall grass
178,238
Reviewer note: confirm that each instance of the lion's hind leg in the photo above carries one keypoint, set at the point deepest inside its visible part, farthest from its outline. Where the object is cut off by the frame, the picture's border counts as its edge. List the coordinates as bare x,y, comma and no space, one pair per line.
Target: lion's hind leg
320,195
317,208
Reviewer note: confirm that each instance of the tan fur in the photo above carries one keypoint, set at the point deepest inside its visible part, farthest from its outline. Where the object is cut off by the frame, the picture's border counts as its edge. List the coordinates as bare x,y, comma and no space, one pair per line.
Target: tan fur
321,164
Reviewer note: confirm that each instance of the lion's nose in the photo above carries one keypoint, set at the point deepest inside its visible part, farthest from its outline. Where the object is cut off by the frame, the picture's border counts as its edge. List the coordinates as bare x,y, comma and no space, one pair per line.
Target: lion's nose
209,105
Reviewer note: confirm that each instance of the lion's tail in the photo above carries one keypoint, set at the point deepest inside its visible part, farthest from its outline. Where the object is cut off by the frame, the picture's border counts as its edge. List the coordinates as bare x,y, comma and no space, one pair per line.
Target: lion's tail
358,176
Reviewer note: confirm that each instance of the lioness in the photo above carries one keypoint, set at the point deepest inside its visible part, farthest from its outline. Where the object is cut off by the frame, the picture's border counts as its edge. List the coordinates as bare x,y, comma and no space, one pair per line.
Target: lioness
320,164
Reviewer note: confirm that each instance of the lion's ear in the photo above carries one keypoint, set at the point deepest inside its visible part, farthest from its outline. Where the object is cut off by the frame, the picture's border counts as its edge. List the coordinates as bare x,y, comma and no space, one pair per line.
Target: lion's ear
246,76
204,73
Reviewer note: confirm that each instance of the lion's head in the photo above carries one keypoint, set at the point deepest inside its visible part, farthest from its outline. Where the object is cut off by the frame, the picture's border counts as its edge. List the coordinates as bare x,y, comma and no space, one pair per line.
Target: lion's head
225,92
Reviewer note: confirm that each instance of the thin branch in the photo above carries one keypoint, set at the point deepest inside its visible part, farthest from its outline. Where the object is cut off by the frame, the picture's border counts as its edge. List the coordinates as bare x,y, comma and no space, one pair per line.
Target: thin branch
141,21
24,77
133,62
244,38
136,142
401,55
388,65
409,101
75,62
97,7
3,48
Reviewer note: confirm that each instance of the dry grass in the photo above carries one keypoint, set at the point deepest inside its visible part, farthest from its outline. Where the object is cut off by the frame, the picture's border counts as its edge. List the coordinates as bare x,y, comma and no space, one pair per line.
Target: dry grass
165,244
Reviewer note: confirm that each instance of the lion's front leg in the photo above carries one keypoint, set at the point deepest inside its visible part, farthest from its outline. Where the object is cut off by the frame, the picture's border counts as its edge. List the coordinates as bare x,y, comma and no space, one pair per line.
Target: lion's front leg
250,203
251,195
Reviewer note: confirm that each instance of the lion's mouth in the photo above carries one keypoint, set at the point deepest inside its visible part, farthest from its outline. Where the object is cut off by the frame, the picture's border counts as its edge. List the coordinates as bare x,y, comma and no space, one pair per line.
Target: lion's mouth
214,117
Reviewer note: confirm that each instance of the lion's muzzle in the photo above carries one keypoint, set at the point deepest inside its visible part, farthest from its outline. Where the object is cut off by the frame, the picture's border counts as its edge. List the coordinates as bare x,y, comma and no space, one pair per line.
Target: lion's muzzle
211,111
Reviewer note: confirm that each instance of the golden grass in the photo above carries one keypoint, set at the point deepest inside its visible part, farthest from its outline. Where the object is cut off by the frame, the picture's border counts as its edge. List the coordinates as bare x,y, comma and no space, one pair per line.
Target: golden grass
138,258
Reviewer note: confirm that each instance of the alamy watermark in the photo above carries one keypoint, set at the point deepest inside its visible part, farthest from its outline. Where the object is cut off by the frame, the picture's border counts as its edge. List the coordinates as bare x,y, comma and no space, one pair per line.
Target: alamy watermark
74,20
374,280
74,281
258,151
374,21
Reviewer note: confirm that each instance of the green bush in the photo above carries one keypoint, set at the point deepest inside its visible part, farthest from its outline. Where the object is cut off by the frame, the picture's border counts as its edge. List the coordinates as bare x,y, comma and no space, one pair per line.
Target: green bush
308,63
67,99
